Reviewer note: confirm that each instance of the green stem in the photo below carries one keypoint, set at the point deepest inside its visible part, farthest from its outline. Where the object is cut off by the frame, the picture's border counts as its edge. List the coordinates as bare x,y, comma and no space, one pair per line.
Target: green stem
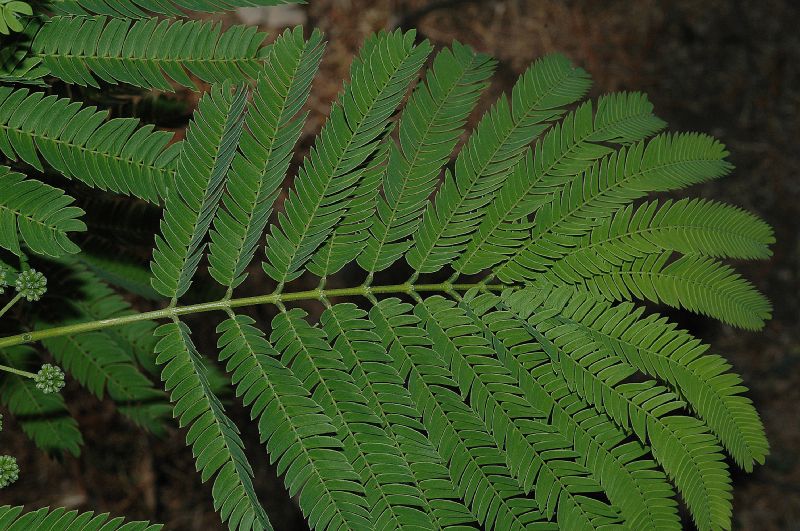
173,312
11,303
19,372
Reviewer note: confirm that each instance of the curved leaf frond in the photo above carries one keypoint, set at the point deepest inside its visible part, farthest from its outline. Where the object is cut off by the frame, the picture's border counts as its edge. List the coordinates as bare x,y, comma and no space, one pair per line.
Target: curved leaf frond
148,53
667,162
82,143
217,448
37,214
564,152
483,165
696,283
273,125
477,467
430,126
193,199
542,460
15,519
631,480
682,445
299,436
331,174
525,392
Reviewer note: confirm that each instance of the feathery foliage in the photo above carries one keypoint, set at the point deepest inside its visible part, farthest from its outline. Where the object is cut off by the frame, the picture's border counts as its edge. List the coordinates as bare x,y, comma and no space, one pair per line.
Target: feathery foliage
531,390
14,519
38,214
273,124
202,166
82,143
214,439
430,126
328,179
148,53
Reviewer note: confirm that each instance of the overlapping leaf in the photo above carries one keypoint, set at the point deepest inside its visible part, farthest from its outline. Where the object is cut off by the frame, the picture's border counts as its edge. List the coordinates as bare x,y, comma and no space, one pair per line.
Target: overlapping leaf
273,125
214,438
15,519
193,199
37,214
148,53
82,143
483,165
332,172
430,126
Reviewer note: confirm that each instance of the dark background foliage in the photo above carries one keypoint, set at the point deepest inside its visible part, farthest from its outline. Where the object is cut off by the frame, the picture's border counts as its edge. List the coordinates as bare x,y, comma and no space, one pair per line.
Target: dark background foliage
728,68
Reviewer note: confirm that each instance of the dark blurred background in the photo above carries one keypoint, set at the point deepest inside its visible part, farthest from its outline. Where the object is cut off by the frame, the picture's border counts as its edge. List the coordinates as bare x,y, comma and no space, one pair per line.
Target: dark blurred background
728,68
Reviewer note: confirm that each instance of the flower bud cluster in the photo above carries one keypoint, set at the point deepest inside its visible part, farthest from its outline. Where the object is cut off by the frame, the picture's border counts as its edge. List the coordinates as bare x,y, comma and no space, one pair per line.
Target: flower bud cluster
49,379
31,284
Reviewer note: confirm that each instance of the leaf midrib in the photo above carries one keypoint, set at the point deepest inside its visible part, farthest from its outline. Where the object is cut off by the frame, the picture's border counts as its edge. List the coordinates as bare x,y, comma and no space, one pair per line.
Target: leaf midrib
298,439
417,155
290,268
216,411
37,134
432,398
477,177
576,144
536,237
342,422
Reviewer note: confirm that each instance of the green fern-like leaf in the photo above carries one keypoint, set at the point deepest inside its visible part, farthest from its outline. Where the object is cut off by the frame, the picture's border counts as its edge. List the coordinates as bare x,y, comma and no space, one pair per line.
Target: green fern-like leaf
407,450
539,457
215,441
693,282
484,164
632,482
81,143
682,445
203,164
701,379
273,125
147,53
38,214
298,434
530,390
666,162
564,152
430,126
331,174
476,466
15,519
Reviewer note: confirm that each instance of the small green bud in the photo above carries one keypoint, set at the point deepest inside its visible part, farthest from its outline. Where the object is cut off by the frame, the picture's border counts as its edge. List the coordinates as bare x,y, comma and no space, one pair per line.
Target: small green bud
50,379
31,284
9,470
1,422
3,279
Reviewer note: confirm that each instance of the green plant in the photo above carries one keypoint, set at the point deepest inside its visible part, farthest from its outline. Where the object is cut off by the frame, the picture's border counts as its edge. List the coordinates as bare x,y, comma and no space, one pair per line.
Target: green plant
507,381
